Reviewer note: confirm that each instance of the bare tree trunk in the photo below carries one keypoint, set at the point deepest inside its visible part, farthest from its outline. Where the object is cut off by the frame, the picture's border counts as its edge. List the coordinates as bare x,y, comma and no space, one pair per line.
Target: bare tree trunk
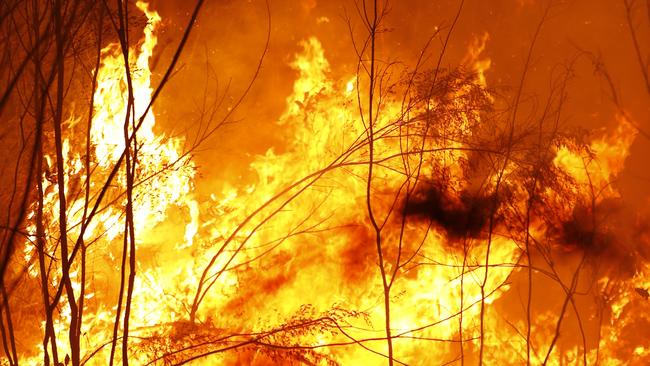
373,24
500,177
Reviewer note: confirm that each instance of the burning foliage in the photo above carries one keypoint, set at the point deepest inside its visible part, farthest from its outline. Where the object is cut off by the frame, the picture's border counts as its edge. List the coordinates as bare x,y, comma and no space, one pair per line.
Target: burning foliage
338,251
182,342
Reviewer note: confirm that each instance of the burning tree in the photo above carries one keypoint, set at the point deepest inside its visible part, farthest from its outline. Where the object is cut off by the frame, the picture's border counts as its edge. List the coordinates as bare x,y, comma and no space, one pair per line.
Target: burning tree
411,216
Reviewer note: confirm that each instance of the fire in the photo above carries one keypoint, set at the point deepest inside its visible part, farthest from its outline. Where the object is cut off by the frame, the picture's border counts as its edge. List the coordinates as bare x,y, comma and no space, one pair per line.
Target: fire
610,152
166,182
285,270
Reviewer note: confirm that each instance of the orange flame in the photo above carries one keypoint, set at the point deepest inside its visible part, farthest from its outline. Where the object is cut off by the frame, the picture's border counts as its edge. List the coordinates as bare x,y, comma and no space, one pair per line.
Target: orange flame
296,245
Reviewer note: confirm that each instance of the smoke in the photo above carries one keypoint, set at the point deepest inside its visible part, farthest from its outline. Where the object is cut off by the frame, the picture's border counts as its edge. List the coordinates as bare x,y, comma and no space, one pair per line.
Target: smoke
610,234
461,215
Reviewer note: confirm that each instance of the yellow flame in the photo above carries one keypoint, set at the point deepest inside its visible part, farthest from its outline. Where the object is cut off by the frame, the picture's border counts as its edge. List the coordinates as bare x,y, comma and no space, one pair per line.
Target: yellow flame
314,248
